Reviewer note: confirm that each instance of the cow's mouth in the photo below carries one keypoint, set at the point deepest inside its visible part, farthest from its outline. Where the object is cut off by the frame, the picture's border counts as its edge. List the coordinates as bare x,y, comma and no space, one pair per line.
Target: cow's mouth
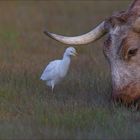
128,95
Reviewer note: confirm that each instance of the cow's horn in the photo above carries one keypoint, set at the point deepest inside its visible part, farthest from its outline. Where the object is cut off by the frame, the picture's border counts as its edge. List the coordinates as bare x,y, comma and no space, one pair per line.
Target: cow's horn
93,35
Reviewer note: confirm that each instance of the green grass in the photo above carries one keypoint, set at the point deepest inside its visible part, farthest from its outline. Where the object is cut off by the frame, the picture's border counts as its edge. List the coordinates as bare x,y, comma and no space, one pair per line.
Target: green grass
80,107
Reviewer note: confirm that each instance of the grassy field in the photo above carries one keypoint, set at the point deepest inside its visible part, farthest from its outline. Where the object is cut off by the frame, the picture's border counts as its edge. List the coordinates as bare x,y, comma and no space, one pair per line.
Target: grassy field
80,107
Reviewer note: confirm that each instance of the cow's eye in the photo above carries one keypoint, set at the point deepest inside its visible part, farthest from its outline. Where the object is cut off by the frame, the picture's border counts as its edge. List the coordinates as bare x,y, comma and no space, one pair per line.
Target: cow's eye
132,52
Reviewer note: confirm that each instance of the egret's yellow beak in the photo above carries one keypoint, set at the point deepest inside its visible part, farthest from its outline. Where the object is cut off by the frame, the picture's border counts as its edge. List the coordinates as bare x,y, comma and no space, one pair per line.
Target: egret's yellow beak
75,54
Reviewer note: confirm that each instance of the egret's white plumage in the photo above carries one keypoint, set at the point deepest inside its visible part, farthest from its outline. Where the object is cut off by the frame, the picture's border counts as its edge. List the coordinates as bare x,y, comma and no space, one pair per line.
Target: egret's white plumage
56,70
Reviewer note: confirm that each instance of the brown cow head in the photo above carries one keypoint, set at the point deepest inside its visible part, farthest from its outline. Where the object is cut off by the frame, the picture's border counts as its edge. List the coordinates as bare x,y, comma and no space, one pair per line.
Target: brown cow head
122,49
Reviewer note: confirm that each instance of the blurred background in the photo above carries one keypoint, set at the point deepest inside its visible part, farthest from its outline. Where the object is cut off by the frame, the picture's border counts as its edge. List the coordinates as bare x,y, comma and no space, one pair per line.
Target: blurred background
80,107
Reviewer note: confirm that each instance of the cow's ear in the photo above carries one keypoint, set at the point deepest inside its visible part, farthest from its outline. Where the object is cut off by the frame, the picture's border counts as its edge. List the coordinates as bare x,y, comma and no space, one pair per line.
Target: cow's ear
136,25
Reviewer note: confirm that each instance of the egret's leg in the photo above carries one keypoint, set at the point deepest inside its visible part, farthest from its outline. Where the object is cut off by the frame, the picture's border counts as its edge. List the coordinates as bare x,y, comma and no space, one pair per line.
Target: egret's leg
52,83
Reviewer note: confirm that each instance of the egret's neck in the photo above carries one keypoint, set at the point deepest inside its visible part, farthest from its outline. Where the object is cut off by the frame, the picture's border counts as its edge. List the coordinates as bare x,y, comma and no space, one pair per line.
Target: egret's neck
65,63
66,59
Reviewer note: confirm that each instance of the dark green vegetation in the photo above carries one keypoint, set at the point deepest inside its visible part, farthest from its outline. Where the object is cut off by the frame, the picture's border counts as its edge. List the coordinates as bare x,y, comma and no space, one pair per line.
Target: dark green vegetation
80,106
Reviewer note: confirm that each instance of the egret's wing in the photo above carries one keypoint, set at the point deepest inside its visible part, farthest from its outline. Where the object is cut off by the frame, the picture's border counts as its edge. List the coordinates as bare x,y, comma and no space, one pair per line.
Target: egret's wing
50,70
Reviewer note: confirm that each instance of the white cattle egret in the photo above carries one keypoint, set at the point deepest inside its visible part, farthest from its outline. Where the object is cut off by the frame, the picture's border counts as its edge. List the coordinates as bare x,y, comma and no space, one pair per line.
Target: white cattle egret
56,70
